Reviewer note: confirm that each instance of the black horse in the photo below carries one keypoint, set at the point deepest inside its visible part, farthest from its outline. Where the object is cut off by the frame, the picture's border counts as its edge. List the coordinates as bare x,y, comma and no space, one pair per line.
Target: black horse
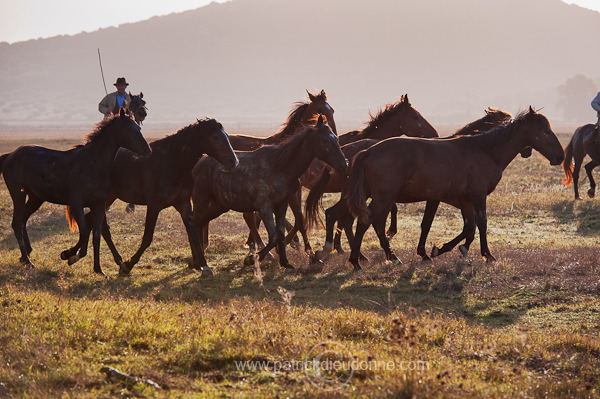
78,178
585,141
263,182
164,179
138,108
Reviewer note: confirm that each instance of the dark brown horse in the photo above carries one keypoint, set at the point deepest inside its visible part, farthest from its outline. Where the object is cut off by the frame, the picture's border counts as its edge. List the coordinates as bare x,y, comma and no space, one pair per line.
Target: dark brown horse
585,141
137,106
461,172
263,182
301,115
396,119
331,182
164,179
78,178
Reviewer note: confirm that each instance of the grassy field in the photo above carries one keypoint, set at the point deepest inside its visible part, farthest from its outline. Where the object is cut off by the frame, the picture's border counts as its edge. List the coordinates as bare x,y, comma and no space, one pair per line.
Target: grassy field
524,326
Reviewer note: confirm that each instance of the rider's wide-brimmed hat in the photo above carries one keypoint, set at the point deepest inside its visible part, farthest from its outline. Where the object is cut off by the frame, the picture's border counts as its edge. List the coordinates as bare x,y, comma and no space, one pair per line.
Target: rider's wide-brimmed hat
121,81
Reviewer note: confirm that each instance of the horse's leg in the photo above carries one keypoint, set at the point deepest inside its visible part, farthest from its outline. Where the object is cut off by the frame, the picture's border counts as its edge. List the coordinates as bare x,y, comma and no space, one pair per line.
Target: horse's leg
296,207
578,160
204,212
468,233
185,211
78,215
361,229
18,226
250,243
106,234
151,218
391,232
380,211
481,218
431,208
254,238
331,217
588,169
33,204
98,217
295,203
266,214
280,212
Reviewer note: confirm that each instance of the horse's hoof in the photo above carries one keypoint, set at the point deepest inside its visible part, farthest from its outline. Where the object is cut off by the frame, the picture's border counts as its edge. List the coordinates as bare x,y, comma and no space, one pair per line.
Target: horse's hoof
320,256
99,272
591,193
363,258
463,251
73,259
207,272
249,260
27,264
435,252
426,259
339,250
64,255
130,208
489,258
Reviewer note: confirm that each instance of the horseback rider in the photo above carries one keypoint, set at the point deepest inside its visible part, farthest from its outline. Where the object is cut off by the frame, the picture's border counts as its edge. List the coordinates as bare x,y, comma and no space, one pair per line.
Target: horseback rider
596,106
112,102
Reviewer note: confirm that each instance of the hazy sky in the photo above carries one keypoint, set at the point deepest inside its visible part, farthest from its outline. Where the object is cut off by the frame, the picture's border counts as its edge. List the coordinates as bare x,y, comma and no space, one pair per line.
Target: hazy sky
31,19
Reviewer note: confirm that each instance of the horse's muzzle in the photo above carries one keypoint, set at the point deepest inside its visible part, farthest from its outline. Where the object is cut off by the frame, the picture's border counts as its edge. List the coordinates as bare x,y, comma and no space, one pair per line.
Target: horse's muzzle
557,160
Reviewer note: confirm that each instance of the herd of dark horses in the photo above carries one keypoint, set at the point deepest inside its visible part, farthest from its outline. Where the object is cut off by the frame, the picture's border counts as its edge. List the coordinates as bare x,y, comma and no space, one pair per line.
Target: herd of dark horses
203,172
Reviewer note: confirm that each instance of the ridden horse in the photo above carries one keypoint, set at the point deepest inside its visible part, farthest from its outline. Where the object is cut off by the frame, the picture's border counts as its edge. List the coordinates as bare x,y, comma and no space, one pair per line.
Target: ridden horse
585,140
79,177
137,106
164,179
331,182
461,171
301,115
263,182
395,119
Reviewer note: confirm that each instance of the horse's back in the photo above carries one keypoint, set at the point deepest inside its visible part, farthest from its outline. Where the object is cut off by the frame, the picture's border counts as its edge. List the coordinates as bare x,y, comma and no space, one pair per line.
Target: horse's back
430,168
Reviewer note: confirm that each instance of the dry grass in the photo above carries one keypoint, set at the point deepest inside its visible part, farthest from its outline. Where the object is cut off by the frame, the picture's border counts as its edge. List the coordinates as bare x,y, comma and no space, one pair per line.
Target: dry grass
526,325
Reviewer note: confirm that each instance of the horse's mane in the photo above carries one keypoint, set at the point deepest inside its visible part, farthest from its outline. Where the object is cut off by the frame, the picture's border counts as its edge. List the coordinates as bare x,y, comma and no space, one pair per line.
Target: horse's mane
496,135
493,117
287,149
174,139
382,116
97,132
291,124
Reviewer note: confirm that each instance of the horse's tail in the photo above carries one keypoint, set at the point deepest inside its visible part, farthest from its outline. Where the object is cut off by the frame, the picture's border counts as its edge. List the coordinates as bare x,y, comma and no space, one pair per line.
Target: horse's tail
72,223
2,158
357,197
567,163
312,215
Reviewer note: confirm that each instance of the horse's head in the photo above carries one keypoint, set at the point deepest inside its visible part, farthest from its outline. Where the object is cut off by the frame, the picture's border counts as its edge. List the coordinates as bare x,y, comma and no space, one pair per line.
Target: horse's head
137,106
319,106
496,116
541,137
400,119
327,146
130,134
212,140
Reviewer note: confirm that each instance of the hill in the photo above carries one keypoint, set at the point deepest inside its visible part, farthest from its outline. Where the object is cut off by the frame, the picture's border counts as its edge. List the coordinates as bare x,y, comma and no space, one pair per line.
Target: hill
244,62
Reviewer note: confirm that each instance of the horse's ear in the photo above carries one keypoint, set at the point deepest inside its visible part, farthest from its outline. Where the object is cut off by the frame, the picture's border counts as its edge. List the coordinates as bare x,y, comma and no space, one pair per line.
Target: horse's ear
320,121
130,95
141,94
487,111
311,96
406,99
122,112
531,110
